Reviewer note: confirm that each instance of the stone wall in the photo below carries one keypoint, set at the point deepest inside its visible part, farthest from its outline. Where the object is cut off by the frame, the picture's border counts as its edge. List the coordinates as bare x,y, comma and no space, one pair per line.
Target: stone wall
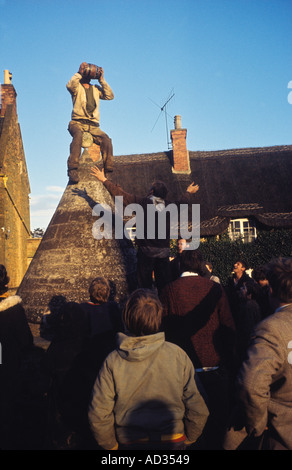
14,194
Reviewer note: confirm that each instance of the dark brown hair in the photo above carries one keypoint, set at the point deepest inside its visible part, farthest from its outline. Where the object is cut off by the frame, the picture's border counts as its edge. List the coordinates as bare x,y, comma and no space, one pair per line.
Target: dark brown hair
242,261
99,290
192,260
259,273
159,189
142,313
279,275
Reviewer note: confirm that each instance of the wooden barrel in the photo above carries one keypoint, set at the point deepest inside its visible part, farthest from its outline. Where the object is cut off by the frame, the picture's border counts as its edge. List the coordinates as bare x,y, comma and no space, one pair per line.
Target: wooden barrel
92,71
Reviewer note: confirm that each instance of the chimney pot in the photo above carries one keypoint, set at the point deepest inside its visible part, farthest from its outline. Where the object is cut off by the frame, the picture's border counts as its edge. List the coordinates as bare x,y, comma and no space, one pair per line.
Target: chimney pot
177,122
8,94
7,77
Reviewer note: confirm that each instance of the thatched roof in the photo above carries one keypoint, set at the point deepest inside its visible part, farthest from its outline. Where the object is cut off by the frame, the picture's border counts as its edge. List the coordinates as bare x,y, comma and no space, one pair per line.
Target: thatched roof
234,183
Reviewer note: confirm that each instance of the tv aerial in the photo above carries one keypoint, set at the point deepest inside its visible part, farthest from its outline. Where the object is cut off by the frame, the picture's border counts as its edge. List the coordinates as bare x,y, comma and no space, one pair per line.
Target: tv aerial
163,110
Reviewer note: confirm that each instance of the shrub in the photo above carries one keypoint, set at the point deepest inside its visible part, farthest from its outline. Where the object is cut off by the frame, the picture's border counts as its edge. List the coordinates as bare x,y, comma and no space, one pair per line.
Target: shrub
223,253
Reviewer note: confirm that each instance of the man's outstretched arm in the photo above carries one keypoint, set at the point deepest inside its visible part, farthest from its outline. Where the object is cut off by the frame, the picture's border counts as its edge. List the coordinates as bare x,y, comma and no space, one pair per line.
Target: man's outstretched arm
114,189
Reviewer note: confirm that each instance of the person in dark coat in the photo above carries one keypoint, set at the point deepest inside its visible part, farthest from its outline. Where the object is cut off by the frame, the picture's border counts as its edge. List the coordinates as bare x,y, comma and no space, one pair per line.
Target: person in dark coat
196,317
15,340
249,315
86,334
175,269
263,413
67,392
239,279
104,318
262,296
103,314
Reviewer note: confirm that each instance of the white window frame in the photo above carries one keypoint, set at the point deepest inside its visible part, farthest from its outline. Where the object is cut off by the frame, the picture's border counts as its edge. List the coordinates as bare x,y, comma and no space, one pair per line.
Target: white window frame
242,228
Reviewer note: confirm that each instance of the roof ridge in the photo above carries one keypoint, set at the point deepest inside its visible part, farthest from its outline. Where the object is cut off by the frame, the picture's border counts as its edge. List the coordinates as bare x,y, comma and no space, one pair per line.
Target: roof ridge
242,151
206,153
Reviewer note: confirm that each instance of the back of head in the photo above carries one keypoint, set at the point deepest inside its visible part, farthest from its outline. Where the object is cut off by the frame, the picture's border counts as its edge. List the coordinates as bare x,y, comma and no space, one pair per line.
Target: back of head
4,279
192,261
279,275
259,274
142,314
99,290
159,189
73,322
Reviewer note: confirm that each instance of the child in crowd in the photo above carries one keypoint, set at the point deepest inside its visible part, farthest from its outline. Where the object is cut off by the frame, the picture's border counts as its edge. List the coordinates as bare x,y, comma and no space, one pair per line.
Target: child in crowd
103,315
145,396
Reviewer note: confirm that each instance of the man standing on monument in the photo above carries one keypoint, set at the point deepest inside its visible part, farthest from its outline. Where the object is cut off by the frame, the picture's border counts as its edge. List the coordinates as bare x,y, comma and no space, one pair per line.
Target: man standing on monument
85,116
153,252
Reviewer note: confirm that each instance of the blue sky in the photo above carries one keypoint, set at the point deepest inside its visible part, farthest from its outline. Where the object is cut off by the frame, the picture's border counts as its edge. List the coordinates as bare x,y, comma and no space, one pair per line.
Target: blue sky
228,63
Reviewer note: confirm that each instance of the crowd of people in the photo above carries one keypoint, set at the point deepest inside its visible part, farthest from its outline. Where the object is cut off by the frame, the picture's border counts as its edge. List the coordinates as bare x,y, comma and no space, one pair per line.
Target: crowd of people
186,364
197,366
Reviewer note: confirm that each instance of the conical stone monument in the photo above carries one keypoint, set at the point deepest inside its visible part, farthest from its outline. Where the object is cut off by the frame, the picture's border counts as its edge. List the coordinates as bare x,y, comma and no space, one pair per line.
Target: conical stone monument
70,256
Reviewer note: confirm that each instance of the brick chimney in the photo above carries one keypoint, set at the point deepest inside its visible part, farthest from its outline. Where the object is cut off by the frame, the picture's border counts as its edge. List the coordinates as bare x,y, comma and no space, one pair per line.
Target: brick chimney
180,154
8,94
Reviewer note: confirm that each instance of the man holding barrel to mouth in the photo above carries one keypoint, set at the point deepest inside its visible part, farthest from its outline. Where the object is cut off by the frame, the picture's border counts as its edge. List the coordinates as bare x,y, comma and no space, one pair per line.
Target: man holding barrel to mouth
85,116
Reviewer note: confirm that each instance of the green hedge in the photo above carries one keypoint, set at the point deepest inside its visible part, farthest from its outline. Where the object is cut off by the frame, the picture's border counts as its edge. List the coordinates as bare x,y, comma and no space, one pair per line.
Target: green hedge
223,253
